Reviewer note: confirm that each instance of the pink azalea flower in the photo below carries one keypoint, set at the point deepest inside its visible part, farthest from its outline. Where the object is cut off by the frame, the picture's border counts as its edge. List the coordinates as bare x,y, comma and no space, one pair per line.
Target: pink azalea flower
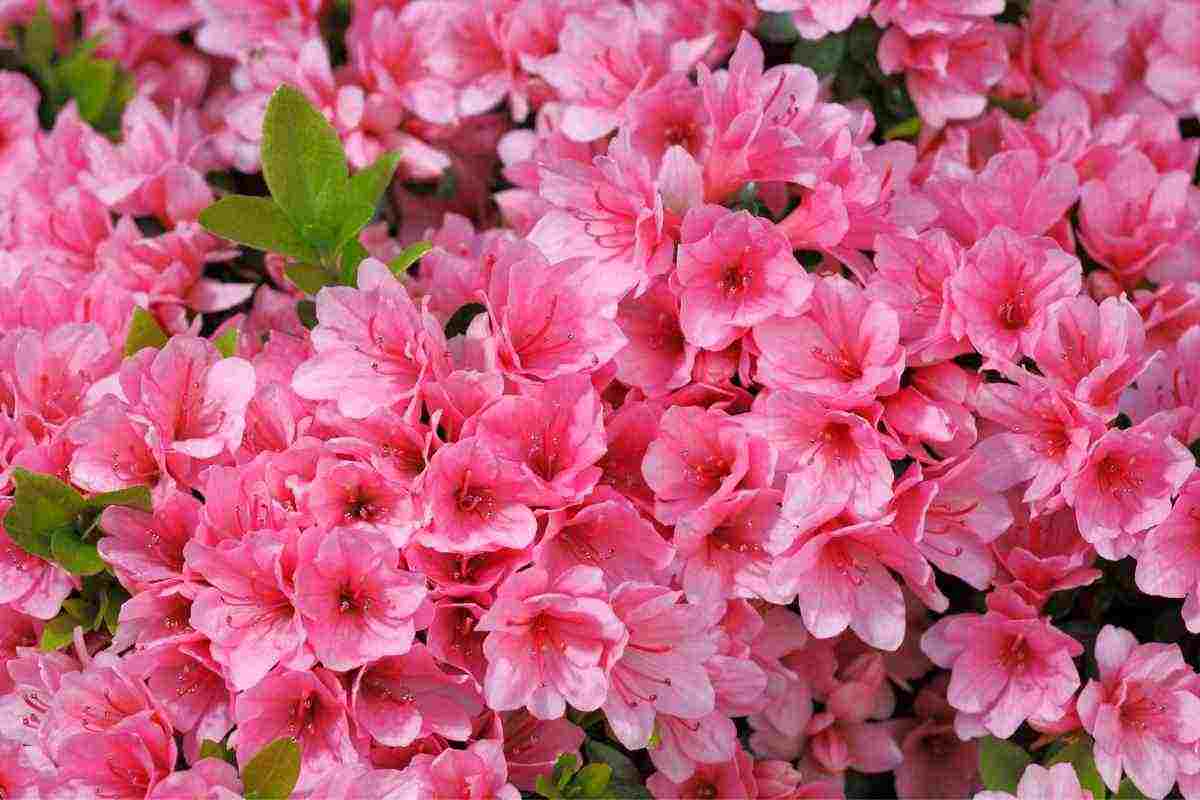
356,604
1127,484
545,320
1141,711
948,76
112,450
354,495
1059,782
18,124
1043,555
657,357
145,548
1001,293
815,20
608,533
686,745
551,642
1173,71
453,637
701,456
398,699
465,575
247,611
937,764
662,668
1075,44
734,272
844,350
1167,564
29,584
191,689
374,347
1006,666
477,773
734,778
532,746
19,778
309,707
948,17
208,779
722,546
48,374
157,615
1092,351
127,760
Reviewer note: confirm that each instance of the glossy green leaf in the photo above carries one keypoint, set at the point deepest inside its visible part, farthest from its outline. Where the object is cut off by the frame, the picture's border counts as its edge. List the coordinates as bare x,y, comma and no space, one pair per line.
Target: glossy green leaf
309,278
257,222
628,790
211,749
226,343
409,256
144,331
1001,764
273,772
303,163
592,780
134,497
368,185
42,504
353,254
908,129
90,81
823,56
58,633
1079,755
1128,791
37,45
622,765
565,767
73,554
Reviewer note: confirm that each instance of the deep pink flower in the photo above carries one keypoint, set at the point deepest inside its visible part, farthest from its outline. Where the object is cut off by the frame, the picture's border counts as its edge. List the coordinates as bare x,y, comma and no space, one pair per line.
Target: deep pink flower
208,779
550,642
657,357
126,760
700,456
398,699
19,778
144,547
734,271
1127,484
309,707
845,349
356,604
453,637
477,773
1141,711
1169,562
248,610
1059,782
1075,43
113,451
157,615
1042,555
734,778
532,746
1007,666
723,546
30,584
47,374
662,668
1173,71
354,495
191,689
374,347
18,124
948,17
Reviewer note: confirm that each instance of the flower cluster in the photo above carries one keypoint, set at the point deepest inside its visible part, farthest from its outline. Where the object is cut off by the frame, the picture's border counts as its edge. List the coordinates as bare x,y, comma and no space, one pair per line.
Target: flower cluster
670,409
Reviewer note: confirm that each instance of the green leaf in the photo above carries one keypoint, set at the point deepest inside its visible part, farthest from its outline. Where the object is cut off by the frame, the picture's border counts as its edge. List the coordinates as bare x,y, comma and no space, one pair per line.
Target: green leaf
908,129
777,28
226,343
1128,791
90,81
124,89
82,610
1080,756
144,331
75,555
409,256
353,254
42,504
592,780
112,611
211,749
622,765
461,320
134,497
58,633
37,45
303,164
628,790
565,767
823,56
273,772
1001,764
368,185
546,788
306,310
257,222
309,278
351,219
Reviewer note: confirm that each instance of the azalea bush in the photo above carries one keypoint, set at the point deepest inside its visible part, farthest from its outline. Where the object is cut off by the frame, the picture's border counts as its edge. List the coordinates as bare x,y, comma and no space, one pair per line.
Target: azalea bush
499,399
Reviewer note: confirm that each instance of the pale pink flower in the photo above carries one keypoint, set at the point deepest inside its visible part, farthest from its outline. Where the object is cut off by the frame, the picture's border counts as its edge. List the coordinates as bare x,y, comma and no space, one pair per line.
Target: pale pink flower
374,346
207,779
356,604
947,17
1091,351
1001,293
112,451
248,610
48,373
935,412
550,642
1168,565
662,668
1059,782
734,271
478,500
948,76
700,456
1173,71
1127,484
97,699
687,744
815,19
1141,711
160,614
27,583
398,699
1075,43
231,27
608,533
145,548
477,773
734,778
844,350
309,707
547,320
1006,666
657,357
